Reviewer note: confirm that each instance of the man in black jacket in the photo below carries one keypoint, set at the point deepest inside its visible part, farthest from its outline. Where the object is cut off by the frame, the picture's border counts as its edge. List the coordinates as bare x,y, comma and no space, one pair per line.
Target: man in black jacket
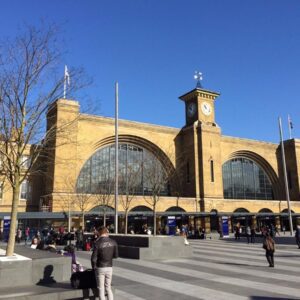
105,249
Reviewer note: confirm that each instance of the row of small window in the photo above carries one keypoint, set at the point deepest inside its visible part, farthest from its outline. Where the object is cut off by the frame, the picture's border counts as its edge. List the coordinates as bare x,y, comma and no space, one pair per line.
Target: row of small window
25,161
25,191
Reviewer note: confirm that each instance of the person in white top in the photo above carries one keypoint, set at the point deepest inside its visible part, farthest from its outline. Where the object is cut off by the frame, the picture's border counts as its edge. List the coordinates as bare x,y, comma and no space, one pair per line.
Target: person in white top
34,243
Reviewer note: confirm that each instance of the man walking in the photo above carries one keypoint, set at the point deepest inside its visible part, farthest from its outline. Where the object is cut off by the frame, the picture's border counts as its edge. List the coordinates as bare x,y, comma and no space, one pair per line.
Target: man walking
269,246
105,249
297,236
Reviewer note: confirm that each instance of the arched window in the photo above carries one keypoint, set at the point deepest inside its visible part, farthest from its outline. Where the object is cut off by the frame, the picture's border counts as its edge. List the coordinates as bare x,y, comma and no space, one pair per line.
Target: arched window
175,209
244,179
140,172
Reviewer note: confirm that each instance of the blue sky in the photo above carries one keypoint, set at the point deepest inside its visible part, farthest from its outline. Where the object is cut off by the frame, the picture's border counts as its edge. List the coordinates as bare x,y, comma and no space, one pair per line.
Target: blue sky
249,51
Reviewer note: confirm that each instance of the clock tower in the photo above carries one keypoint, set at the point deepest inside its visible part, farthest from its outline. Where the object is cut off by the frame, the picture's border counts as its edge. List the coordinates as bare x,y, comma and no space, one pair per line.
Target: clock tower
200,106
200,142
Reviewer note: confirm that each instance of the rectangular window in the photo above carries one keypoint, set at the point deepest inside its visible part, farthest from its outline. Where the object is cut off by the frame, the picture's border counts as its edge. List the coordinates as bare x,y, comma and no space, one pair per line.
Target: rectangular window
25,161
212,175
25,190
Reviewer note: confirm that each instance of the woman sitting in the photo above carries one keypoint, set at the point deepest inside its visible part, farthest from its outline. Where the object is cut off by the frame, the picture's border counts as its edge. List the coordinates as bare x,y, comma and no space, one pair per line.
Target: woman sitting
34,243
75,265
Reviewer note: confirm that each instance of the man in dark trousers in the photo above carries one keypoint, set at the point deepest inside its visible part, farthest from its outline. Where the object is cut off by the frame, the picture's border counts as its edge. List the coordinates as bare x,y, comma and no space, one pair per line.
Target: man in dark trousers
297,236
105,249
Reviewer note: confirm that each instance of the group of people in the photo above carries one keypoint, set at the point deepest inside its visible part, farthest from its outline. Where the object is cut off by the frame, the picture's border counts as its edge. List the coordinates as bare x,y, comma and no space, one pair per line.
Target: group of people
104,250
268,234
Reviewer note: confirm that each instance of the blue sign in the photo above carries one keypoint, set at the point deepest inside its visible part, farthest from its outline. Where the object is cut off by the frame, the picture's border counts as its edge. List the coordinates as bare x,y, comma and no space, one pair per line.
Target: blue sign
172,225
225,227
6,227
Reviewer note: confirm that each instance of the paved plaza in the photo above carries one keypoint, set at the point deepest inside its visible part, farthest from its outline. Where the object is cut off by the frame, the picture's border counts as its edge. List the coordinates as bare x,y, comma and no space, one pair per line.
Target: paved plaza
219,269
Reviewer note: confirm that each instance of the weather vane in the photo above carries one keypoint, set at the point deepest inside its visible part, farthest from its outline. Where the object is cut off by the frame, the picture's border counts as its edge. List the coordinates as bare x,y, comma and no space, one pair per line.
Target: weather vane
198,77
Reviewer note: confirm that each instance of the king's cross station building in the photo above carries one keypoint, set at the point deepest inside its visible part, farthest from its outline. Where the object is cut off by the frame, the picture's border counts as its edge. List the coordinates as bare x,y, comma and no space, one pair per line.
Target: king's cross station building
206,175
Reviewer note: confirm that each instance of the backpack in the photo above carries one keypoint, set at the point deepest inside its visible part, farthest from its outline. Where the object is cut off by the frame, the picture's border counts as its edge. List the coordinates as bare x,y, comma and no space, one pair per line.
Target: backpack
268,245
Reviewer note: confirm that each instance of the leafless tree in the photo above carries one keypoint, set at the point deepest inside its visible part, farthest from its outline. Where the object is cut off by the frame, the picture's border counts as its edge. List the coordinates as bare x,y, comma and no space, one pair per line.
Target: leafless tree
29,83
129,184
67,205
83,202
104,193
157,172
73,200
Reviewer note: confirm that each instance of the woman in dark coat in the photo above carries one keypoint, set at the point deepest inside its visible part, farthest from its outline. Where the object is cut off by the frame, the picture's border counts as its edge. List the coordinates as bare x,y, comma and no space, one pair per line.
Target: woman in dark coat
269,246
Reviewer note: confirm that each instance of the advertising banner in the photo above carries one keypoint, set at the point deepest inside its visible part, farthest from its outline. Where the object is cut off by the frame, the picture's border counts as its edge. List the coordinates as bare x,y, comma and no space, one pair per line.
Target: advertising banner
225,226
171,225
6,227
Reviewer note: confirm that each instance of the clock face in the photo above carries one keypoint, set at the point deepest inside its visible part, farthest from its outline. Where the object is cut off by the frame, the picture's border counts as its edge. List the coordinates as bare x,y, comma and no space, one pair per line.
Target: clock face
191,109
206,108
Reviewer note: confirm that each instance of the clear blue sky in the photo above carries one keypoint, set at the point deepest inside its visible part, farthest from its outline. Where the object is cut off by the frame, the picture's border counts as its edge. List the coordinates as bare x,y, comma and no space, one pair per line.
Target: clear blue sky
249,51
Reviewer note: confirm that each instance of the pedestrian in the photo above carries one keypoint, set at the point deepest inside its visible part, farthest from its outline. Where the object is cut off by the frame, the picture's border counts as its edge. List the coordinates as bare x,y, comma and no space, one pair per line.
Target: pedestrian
283,229
27,235
277,230
105,249
269,246
79,239
253,234
19,235
248,233
297,236
237,231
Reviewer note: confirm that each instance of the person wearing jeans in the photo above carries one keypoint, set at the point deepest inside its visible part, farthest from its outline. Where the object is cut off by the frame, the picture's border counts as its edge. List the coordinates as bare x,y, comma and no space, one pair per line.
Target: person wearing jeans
105,249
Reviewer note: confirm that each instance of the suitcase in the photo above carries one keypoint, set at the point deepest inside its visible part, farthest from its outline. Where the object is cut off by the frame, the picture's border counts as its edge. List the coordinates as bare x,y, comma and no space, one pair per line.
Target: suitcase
87,246
84,280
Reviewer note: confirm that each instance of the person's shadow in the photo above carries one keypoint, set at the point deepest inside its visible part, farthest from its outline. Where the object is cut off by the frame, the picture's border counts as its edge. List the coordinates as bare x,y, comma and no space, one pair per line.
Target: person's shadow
47,279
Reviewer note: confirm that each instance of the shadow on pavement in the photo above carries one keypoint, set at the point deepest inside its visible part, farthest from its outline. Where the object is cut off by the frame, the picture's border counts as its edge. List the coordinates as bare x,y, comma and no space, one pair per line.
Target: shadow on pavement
270,298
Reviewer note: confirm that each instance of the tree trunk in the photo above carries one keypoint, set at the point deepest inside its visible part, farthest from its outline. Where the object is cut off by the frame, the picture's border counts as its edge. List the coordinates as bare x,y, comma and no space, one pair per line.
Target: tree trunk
13,219
69,218
83,224
154,220
126,221
104,219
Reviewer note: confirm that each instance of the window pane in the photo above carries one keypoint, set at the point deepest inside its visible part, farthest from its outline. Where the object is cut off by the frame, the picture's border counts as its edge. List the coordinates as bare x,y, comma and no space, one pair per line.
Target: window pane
244,179
135,166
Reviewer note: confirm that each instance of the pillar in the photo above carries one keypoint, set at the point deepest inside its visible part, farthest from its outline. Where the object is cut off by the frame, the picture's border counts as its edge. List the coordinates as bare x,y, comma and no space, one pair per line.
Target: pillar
158,223
192,222
254,222
207,224
230,229
197,222
277,222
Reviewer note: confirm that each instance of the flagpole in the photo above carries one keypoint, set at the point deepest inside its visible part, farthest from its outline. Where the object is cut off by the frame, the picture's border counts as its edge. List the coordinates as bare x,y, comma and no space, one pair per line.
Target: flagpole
290,128
285,177
116,154
65,82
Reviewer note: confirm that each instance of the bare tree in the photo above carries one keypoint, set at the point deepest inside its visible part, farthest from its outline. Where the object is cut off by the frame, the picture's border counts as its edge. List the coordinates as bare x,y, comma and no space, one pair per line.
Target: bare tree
67,205
83,202
156,176
129,184
104,193
74,200
28,85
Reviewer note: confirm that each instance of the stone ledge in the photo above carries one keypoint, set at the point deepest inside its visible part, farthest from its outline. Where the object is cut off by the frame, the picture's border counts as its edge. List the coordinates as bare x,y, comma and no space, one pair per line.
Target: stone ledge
152,247
40,267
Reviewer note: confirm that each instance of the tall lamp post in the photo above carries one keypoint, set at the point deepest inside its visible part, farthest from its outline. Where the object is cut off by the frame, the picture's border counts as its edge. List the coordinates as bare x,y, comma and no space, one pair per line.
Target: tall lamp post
285,177
116,154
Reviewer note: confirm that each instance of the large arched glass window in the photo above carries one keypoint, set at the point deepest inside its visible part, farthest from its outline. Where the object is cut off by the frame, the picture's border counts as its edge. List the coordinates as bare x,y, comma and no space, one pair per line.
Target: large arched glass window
139,172
244,179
